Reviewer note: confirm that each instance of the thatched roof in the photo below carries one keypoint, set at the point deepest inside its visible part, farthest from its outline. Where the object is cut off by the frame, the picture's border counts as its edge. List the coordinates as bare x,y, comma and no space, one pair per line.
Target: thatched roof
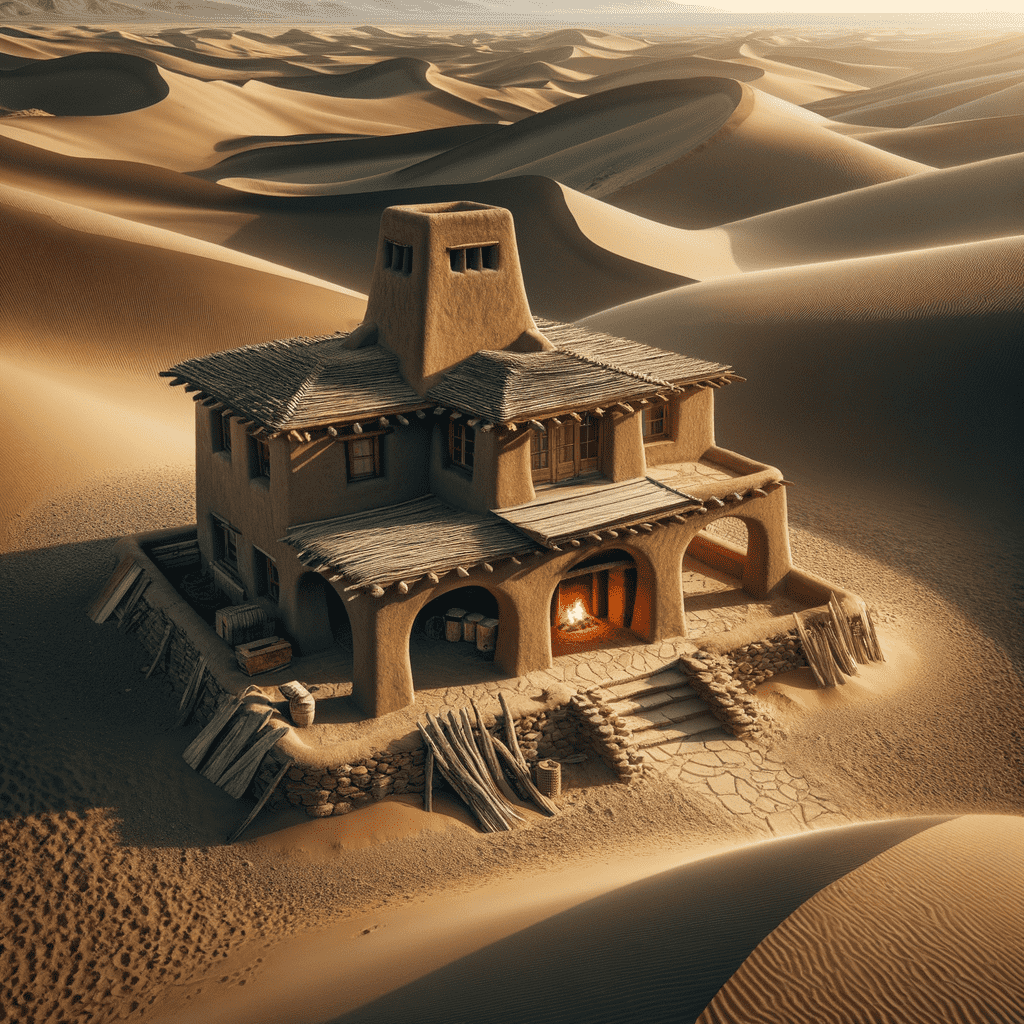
557,515
301,382
405,542
588,368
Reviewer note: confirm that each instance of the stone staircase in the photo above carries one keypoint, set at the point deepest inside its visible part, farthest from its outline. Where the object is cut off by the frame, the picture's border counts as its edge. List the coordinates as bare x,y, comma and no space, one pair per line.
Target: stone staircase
663,708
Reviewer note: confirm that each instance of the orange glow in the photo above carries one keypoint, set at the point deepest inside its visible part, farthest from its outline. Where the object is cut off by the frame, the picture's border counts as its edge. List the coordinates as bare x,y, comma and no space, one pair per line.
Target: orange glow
574,614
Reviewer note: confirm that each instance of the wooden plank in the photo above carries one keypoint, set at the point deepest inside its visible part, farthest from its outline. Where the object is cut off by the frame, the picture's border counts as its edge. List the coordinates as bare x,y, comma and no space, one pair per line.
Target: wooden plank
235,780
168,630
428,773
242,729
192,691
197,749
262,800
510,733
522,774
487,746
133,599
121,580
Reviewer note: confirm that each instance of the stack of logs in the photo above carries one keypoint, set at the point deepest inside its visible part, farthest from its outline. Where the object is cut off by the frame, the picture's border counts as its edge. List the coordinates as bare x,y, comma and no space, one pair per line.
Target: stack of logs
610,737
473,763
740,712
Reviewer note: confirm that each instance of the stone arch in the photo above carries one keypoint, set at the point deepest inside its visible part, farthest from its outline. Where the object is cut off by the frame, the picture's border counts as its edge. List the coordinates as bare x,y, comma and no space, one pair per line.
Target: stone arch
621,583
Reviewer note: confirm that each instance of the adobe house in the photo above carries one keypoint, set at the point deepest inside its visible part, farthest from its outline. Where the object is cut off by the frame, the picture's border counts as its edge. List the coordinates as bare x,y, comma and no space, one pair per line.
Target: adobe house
453,450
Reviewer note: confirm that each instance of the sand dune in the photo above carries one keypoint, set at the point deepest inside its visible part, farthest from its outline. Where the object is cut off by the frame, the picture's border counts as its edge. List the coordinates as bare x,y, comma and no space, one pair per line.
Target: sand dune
1004,103
950,144
936,208
770,154
933,923
863,270
896,367
910,101
83,84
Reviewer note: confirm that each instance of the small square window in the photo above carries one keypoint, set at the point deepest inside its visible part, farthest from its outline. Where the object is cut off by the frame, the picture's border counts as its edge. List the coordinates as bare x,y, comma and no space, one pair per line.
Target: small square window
461,444
397,258
362,458
267,579
466,258
226,538
655,422
259,457
220,431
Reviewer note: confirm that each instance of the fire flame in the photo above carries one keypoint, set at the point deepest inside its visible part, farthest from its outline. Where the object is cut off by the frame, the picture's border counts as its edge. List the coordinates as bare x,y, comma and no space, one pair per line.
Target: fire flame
574,614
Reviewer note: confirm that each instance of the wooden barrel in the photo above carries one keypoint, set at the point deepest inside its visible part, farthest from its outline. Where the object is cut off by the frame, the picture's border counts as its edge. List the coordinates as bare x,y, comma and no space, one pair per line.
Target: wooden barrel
453,624
549,777
469,624
303,710
486,636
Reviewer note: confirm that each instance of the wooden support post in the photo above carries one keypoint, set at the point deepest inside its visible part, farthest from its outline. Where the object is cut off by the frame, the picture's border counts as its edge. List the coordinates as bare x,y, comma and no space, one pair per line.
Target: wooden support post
168,630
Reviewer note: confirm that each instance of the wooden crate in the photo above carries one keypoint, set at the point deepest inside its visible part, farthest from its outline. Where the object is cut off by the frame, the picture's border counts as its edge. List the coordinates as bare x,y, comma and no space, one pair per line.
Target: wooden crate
243,623
263,655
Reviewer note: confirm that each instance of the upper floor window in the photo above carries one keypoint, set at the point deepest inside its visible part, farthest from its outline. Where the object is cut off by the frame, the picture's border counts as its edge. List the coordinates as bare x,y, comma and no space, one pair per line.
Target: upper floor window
268,582
259,457
473,257
566,449
461,442
220,429
362,458
397,257
655,422
226,540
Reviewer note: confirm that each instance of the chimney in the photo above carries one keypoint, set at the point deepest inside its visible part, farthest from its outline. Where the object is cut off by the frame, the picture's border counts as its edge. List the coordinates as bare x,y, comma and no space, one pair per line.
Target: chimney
446,284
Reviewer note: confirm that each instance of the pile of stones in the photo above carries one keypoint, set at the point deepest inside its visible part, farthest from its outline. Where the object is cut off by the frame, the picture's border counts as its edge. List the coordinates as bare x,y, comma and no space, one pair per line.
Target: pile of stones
554,733
608,736
341,788
759,661
728,697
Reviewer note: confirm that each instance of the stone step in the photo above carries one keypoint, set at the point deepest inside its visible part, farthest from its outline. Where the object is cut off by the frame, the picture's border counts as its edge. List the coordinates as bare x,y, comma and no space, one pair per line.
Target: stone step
651,701
668,714
667,679
674,731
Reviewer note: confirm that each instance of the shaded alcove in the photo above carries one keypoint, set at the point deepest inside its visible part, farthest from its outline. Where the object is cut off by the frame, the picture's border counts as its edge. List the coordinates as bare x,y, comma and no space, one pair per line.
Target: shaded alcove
437,662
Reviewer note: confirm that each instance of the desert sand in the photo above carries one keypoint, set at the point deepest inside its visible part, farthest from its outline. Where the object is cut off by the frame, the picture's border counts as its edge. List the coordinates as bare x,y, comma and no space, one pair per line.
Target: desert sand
837,214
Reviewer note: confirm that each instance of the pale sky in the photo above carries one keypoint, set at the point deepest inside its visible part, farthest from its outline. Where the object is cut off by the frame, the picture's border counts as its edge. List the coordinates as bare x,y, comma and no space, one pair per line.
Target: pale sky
864,6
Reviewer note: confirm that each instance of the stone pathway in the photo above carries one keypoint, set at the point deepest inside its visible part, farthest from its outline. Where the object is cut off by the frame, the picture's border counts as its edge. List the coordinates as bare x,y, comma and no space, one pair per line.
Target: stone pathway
748,782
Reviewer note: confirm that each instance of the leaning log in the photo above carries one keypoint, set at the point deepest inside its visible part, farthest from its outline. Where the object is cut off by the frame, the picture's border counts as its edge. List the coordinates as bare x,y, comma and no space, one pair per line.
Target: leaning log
262,801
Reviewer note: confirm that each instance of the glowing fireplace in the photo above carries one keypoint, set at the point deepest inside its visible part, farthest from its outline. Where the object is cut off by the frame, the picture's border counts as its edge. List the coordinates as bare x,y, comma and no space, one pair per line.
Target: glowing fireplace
575,604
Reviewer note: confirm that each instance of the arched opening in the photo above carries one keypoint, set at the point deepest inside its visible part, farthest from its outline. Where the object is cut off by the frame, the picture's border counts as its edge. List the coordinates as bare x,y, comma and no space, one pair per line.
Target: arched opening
454,637
721,572
602,601
321,620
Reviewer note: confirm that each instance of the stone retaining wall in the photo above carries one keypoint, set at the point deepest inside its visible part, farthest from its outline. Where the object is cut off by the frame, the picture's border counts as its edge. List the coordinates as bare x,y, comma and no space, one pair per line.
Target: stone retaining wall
756,662
584,725
726,695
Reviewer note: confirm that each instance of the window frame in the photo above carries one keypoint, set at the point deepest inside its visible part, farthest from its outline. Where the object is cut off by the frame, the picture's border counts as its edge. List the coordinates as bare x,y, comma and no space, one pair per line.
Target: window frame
649,437
227,542
466,434
220,431
259,458
397,257
378,463
268,577
567,435
474,258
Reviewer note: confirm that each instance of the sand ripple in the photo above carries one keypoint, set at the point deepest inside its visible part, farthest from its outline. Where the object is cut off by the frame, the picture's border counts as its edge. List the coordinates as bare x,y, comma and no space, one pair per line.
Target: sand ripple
931,931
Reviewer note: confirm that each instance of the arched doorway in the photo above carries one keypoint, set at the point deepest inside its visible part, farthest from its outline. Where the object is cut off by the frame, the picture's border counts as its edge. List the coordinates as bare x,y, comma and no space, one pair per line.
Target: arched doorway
719,572
321,620
601,601
438,658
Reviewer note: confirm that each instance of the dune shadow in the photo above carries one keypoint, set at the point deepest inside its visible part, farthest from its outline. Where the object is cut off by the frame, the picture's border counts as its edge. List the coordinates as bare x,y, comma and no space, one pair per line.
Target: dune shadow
79,725
655,951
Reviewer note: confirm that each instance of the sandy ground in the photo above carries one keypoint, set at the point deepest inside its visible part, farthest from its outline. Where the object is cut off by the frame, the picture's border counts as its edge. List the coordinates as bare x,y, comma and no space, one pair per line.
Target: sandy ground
839,217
